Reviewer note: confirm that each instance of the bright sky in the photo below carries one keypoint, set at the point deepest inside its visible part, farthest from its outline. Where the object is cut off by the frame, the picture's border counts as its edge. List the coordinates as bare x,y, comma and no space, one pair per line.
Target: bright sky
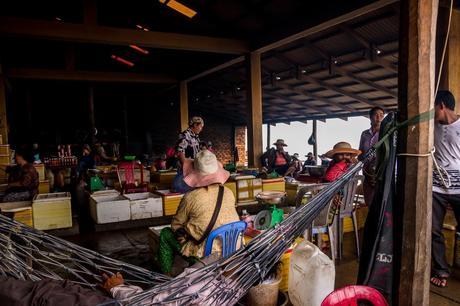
329,133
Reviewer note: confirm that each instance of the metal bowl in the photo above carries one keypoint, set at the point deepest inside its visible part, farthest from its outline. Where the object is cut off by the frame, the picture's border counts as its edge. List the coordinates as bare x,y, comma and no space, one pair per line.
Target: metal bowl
271,197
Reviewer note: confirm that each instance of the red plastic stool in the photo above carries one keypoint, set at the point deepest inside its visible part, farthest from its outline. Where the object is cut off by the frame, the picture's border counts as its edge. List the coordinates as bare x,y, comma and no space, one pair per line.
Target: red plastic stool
349,296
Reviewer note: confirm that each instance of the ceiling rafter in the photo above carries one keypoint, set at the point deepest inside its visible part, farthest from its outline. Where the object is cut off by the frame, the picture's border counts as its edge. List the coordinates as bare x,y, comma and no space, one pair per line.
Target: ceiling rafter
323,84
371,49
343,72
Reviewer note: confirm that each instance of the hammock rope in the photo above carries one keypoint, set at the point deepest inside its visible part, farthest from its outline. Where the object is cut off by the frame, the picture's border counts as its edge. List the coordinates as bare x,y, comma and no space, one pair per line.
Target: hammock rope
29,254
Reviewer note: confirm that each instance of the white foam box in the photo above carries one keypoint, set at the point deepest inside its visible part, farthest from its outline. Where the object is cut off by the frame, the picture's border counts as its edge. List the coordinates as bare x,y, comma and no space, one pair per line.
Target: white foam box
109,208
52,211
145,205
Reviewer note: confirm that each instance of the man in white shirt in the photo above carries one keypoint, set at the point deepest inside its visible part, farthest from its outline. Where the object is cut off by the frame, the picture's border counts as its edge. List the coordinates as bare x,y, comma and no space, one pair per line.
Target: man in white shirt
447,155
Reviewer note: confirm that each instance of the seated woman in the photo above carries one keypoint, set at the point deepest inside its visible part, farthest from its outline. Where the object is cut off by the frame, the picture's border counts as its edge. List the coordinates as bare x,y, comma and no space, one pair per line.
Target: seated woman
207,207
342,155
25,184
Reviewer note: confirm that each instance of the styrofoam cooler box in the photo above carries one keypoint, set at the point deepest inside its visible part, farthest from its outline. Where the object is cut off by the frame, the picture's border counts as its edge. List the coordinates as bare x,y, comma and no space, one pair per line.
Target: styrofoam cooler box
106,192
52,211
145,205
109,208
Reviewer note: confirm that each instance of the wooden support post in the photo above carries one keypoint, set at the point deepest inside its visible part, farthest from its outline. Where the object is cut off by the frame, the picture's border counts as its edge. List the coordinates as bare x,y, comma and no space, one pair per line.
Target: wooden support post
92,120
183,108
412,213
3,115
315,145
268,137
254,99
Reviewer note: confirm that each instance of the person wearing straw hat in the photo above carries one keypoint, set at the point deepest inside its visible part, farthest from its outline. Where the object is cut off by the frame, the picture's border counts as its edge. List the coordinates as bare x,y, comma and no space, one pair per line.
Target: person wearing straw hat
342,155
209,206
277,159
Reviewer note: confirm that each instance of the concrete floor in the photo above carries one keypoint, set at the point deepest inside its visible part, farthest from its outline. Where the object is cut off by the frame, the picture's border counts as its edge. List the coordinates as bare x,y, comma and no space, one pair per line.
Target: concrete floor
132,246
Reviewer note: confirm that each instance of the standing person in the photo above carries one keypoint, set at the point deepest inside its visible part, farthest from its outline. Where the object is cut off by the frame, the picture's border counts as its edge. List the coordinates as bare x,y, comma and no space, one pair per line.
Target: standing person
277,159
447,155
187,146
368,139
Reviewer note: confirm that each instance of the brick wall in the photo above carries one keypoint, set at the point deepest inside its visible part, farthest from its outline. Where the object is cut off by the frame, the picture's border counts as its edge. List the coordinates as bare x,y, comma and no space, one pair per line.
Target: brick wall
240,140
220,134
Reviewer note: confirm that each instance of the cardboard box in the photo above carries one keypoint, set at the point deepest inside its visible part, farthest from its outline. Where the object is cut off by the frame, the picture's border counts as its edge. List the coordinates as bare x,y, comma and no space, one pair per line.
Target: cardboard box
52,211
109,208
145,205
276,184
171,201
19,211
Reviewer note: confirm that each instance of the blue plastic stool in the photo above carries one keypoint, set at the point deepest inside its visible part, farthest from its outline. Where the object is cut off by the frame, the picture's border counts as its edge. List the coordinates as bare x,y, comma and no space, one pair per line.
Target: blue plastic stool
229,234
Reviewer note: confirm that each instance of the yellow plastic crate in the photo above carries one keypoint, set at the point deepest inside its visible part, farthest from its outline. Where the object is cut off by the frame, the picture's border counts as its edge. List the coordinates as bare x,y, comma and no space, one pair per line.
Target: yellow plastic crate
247,188
44,187
19,211
5,149
41,171
232,187
164,178
171,201
276,184
52,211
5,159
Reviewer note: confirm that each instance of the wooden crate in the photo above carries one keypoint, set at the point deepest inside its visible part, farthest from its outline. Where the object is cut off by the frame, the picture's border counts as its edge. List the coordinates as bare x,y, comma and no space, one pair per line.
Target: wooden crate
52,211
276,184
19,211
171,201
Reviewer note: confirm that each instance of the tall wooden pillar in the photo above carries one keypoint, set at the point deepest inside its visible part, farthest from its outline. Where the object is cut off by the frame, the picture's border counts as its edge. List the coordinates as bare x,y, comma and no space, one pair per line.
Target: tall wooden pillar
412,212
92,120
183,108
254,99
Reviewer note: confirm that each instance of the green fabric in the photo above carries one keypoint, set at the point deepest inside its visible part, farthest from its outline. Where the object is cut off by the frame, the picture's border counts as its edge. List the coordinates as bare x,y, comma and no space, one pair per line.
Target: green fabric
169,247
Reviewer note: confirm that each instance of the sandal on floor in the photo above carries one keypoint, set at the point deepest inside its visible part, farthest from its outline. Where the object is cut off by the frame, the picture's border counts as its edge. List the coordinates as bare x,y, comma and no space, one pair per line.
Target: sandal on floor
439,281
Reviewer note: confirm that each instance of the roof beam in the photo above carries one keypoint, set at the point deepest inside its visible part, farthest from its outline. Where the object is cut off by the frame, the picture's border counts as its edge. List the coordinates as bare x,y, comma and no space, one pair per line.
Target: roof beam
24,27
370,49
323,84
303,104
94,76
319,117
313,96
351,75
328,24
